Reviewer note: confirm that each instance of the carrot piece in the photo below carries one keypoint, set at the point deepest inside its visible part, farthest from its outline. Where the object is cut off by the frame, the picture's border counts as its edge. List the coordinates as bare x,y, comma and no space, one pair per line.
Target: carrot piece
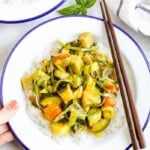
64,56
64,64
108,101
61,59
60,56
113,88
52,111
55,59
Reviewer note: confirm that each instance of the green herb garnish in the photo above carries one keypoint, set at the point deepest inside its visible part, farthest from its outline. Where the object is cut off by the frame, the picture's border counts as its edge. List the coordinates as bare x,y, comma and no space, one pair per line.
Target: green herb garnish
80,7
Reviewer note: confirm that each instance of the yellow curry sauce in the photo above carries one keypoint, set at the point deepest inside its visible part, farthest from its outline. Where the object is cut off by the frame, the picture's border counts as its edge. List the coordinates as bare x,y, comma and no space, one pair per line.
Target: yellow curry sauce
75,89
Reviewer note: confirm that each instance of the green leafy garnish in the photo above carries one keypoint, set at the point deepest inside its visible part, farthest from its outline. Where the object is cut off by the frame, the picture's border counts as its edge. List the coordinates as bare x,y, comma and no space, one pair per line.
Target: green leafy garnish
80,7
81,2
84,11
71,10
90,3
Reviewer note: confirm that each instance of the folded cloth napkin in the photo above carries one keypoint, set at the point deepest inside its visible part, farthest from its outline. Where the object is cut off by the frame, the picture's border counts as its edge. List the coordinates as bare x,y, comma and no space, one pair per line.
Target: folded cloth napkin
135,13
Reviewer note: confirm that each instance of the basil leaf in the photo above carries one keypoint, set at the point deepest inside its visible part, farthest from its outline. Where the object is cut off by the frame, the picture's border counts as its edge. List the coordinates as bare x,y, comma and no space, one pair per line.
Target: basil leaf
84,11
71,10
90,3
82,2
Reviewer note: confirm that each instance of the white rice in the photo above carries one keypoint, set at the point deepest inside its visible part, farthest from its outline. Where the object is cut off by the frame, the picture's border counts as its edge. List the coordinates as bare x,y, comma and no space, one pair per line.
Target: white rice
35,115
44,126
17,2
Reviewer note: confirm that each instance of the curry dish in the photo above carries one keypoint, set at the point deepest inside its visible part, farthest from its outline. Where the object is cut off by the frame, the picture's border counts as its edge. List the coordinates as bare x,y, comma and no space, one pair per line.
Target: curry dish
75,89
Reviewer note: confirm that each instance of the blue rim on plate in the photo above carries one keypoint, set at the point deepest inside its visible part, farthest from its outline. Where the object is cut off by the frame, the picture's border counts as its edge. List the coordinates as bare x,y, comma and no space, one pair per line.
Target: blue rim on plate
61,17
34,17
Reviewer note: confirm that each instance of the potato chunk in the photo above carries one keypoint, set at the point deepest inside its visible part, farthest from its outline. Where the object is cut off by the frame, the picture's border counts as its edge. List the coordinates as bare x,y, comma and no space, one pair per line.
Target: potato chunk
94,115
50,100
87,69
66,94
78,92
94,67
87,59
26,83
108,112
100,125
91,98
60,129
86,39
61,74
90,84
76,63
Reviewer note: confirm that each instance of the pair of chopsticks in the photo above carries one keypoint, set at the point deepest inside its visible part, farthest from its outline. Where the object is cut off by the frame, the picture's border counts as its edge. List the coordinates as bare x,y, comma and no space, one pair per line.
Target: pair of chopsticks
135,130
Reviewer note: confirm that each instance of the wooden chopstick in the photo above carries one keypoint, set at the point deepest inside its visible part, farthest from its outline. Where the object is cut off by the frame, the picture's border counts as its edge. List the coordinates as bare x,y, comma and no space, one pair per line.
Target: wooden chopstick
135,130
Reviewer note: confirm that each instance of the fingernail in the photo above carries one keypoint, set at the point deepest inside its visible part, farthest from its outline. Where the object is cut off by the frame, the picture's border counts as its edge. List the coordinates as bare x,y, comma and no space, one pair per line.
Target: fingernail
12,105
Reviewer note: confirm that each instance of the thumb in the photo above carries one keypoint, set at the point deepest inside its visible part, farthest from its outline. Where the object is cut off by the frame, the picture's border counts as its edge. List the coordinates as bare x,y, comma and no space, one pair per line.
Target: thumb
8,111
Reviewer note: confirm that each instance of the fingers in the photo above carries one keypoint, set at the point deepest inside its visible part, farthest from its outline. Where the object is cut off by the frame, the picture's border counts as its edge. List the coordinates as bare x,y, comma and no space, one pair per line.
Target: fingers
5,114
6,137
3,129
8,111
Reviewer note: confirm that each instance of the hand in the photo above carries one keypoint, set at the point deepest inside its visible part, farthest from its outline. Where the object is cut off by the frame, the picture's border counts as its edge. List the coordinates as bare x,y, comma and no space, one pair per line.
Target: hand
5,114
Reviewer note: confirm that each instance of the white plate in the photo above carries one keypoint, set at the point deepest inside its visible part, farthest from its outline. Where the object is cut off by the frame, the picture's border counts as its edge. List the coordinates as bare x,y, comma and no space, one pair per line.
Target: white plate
31,45
22,13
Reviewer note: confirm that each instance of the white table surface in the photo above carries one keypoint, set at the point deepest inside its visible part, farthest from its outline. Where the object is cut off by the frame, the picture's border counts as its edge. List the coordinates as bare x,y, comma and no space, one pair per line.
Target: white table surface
11,33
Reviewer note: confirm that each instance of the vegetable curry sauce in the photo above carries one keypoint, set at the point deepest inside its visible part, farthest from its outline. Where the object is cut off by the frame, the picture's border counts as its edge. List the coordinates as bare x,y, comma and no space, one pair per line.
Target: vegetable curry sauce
75,89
